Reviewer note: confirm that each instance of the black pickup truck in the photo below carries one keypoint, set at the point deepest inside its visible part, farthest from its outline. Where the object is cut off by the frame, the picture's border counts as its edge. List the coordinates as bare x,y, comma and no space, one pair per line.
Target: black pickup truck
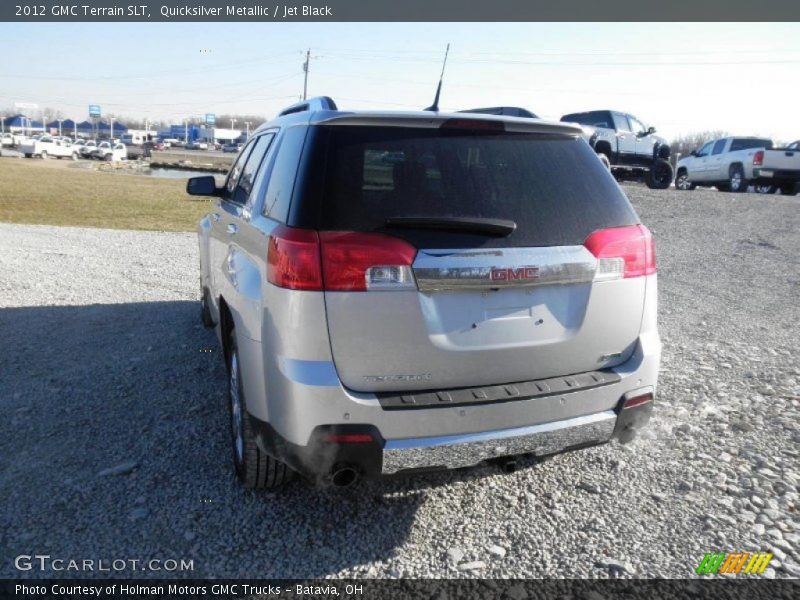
626,146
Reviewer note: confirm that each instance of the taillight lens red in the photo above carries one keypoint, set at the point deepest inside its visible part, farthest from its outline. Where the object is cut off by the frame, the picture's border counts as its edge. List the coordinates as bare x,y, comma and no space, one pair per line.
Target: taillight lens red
302,259
358,261
293,259
632,245
758,158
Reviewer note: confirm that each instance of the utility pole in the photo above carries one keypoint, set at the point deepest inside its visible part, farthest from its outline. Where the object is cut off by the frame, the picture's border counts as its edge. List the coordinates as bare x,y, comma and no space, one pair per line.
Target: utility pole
305,76
247,125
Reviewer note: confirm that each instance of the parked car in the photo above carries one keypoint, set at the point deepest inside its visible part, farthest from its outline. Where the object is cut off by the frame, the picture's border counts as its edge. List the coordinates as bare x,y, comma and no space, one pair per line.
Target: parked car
198,145
6,139
47,147
110,151
384,317
732,164
87,148
626,146
232,147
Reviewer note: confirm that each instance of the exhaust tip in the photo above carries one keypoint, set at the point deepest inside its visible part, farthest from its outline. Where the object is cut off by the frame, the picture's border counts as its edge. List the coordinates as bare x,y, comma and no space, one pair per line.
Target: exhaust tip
344,476
509,466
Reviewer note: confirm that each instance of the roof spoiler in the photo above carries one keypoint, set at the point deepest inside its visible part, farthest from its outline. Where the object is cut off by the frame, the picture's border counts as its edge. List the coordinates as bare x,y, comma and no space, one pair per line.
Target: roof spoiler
317,103
506,111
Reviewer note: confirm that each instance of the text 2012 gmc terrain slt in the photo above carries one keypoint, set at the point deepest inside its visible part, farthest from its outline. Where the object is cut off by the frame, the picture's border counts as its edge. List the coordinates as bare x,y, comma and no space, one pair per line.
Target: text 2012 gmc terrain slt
402,291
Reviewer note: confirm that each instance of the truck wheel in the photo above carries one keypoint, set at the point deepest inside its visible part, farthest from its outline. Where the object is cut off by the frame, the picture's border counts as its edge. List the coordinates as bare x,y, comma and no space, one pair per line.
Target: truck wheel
604,159
44,155
789,189
659,177
765,189
737,183
28,155
253,467
74,156
682,182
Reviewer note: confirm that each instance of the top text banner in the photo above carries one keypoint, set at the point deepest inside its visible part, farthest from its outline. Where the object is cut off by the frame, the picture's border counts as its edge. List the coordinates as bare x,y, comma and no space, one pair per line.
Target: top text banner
400,10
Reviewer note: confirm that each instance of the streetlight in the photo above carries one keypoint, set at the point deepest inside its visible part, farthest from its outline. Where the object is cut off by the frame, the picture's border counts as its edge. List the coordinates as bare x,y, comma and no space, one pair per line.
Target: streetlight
44,123
233,123
247,125
59,126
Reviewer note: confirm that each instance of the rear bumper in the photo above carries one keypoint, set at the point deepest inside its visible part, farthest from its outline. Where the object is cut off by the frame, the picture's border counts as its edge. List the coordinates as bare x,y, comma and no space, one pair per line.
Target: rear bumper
319,459
766,175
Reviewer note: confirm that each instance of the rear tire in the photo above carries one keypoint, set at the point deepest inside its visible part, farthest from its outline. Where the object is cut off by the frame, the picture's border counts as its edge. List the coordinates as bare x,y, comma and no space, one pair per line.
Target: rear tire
28,155
736,182
765,189
723,187
44,155
254,468
682,182
660,175
789,189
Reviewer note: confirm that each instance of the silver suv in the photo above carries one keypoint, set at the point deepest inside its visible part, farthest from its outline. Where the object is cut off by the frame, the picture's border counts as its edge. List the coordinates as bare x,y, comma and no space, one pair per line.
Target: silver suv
405,291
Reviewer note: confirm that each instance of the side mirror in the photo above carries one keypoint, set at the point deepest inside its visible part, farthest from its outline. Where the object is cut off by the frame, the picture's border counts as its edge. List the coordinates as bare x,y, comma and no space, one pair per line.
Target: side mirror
202,186
651,130
693,153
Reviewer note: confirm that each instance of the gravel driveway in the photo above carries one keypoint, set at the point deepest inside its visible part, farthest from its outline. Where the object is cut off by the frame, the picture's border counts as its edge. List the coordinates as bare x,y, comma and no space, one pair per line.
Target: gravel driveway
113,438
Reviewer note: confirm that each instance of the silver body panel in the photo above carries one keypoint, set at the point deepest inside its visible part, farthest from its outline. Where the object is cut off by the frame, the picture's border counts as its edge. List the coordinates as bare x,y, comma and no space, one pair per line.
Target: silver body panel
319,358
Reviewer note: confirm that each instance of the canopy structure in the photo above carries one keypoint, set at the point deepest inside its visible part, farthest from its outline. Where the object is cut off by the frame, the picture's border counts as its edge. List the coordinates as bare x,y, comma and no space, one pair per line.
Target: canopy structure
18,122
67,125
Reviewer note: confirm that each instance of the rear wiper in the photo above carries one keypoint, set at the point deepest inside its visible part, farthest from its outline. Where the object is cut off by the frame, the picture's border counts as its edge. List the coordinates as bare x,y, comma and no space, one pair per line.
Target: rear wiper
497,227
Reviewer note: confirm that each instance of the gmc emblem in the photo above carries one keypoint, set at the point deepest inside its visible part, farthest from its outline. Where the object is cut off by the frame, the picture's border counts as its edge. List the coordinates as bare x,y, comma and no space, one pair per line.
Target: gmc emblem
519,274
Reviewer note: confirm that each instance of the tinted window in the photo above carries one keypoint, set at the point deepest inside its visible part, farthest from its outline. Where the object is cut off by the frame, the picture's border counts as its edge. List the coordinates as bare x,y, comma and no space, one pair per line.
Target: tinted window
621,122
706,149
747,143
597,118
636,125
554,188
718,147
247,178
284,171
236,170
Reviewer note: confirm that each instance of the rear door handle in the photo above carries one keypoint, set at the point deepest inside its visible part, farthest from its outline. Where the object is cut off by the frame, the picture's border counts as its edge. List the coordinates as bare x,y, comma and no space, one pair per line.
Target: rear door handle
232,229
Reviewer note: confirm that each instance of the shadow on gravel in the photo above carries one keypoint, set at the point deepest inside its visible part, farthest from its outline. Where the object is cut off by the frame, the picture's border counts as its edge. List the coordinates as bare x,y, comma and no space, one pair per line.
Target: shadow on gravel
141,387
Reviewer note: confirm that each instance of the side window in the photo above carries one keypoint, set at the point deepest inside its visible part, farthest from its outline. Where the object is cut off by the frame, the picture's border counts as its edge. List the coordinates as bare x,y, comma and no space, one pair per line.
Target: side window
236,171
636,126
718,147
250,169
620,122
705,150
284,171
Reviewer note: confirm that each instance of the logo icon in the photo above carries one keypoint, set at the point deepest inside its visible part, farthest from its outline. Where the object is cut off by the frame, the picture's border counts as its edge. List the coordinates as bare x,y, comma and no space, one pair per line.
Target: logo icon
511,274
734,563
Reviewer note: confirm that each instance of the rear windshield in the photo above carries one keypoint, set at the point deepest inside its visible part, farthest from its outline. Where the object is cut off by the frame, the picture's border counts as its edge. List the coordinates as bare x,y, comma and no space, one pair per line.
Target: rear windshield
747,143
598,118
554,188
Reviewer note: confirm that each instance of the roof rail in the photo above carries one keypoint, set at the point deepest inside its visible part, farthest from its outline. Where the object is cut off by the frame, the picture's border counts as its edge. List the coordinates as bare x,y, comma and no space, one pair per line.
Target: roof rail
508,111
317,103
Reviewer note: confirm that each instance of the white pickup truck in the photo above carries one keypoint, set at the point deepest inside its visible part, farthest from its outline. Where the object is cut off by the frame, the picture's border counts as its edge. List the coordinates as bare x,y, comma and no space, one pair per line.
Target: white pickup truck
47,147
734,163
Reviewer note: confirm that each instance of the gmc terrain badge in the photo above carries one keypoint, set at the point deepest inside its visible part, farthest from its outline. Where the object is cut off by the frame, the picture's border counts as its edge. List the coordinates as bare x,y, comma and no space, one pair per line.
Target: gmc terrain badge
510,274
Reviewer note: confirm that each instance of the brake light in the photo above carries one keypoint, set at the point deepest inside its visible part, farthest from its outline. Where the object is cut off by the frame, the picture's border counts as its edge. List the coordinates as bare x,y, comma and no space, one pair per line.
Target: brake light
473,124
366,261
302,259
622,252
293,259
758,158
637,401
348,438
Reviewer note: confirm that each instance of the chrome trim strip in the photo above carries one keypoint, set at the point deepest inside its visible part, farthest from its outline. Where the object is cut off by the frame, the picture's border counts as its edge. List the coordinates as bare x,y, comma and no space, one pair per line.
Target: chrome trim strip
437,270
309,372
466,450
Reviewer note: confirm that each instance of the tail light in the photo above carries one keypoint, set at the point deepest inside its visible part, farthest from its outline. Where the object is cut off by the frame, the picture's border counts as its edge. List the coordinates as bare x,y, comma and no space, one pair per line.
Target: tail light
348,438
622,252
637,401
301,259
758,158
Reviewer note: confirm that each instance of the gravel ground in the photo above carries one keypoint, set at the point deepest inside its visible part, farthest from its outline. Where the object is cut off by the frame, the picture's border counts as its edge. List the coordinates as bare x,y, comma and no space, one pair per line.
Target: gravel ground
105,367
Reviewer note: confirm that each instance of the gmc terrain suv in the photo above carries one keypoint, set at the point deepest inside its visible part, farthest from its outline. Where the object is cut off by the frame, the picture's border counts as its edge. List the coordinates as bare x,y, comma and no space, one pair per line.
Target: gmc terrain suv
403,291
626,146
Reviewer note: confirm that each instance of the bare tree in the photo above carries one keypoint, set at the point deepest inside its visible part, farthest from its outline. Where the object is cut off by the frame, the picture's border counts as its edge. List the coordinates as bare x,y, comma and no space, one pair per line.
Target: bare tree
685,143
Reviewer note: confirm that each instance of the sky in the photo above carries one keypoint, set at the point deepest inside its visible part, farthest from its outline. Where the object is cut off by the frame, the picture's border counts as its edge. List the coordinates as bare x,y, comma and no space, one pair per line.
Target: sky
742,78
